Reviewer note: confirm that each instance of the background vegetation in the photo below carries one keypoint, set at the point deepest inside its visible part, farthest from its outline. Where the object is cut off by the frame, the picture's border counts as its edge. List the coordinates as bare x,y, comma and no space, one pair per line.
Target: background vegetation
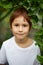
35,10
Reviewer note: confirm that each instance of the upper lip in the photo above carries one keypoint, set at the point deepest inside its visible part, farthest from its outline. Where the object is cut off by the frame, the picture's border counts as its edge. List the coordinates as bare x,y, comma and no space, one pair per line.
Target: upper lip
20,34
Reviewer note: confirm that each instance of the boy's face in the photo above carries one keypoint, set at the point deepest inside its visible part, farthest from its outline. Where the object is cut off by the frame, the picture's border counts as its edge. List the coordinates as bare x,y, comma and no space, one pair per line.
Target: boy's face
20,28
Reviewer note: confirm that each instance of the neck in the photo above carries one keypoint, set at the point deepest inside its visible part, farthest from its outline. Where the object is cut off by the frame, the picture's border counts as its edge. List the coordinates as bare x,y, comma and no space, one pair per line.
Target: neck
24,43
21,41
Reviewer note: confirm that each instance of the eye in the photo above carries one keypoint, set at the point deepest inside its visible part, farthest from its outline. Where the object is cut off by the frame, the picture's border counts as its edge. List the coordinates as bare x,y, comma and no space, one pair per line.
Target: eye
16,25
25,25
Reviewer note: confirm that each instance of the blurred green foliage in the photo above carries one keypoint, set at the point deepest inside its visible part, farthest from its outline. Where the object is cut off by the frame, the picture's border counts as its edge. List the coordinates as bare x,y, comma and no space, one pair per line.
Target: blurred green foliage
35,10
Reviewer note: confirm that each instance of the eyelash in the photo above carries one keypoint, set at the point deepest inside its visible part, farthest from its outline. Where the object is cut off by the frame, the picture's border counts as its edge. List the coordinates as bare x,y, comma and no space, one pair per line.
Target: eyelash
16,25
23,25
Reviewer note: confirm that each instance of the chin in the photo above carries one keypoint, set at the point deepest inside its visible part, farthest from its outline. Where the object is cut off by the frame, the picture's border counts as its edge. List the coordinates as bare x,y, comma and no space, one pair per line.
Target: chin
20,38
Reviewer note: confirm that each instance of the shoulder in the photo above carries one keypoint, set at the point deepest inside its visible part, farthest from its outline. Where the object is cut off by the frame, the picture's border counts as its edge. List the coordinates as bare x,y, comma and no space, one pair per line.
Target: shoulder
7,42
37,48
33,44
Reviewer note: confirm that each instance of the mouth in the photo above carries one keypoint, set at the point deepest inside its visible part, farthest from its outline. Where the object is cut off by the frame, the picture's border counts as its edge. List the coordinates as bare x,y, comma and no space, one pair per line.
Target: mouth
20,34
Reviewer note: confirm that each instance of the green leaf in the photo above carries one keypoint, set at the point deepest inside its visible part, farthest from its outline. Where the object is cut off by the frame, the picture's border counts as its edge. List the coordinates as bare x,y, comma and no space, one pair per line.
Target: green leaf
41,5
40,58
35,18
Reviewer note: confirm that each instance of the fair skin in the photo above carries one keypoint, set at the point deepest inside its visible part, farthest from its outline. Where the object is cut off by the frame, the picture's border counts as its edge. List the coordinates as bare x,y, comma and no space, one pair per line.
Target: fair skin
20,29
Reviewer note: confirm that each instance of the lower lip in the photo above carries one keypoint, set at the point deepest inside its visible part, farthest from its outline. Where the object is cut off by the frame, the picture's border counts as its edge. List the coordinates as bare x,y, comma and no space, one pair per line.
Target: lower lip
20,34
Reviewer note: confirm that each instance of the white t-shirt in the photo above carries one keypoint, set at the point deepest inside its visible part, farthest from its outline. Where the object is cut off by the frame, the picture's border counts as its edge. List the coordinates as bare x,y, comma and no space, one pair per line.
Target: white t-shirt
15,55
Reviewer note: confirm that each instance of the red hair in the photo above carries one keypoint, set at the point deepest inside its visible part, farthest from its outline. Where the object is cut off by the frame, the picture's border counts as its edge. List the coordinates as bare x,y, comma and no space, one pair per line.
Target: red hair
21,11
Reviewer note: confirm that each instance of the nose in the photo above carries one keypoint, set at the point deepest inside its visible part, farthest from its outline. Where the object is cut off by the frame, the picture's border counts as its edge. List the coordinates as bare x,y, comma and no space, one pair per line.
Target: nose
20,29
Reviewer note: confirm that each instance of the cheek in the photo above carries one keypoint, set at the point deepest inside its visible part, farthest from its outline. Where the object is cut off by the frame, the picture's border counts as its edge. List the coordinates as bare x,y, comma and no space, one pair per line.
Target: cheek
26,30
14,30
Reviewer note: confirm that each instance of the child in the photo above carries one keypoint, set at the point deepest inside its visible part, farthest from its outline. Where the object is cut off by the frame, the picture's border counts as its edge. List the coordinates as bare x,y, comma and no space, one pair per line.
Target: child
20,49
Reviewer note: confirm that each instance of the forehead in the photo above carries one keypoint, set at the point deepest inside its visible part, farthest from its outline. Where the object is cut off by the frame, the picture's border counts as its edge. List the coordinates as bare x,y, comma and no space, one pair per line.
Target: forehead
20,20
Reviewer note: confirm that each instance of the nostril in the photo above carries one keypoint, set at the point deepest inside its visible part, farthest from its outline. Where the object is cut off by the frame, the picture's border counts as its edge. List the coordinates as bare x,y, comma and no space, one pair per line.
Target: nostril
20,30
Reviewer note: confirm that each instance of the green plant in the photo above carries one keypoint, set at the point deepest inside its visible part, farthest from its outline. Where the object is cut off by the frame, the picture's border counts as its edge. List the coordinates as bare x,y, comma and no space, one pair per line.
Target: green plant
35,10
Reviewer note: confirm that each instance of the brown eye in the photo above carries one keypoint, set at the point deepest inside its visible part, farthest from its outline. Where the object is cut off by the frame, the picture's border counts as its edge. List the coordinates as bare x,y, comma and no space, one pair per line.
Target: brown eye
25,25
16,25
